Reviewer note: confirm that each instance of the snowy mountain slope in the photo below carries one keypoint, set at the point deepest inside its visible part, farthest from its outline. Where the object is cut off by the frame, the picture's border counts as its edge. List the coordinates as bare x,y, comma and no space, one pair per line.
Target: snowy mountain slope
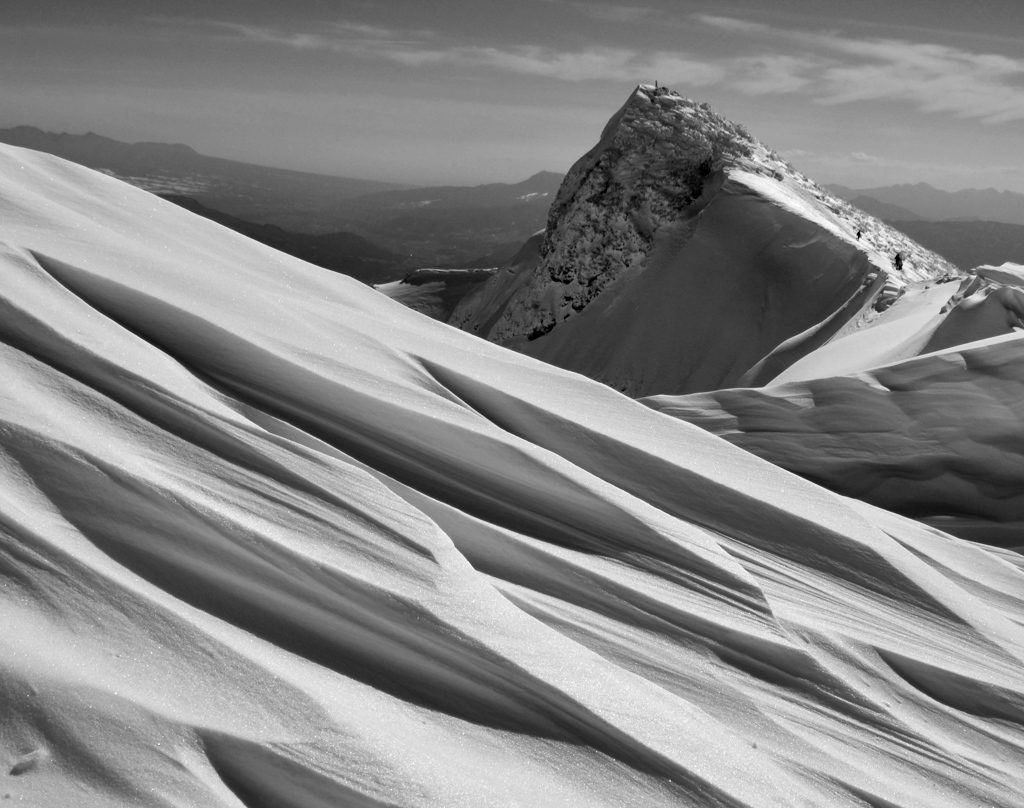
268,538
680,251
917,411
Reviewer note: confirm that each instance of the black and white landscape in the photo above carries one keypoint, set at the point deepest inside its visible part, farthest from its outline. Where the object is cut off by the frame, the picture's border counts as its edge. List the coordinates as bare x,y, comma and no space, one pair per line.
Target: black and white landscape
677,479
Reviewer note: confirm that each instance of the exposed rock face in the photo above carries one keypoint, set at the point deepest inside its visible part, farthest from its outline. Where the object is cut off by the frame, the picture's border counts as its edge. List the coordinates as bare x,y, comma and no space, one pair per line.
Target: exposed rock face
650,165
680,251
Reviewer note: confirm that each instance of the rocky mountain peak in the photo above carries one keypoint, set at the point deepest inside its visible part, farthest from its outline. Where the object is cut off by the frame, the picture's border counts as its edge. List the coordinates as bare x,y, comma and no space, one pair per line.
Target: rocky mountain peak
649,168
657,149
680,251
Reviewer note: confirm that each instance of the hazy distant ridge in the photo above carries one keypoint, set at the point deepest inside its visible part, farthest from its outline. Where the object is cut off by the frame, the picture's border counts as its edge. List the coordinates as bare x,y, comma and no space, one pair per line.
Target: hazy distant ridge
933,203
348,253
968,244
434,226
260,193
97,151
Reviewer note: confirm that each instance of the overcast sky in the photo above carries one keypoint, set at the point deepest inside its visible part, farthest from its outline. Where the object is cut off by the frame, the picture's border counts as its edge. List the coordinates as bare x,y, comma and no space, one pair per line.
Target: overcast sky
438,91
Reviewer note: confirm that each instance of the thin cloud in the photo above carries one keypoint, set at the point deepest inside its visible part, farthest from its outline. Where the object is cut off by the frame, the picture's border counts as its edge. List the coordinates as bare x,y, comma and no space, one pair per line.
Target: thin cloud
361,30
584,65
933,77
615,12
413,50
774,73
339,37
732,24
291,40
834,69
859,164
608,11
827,67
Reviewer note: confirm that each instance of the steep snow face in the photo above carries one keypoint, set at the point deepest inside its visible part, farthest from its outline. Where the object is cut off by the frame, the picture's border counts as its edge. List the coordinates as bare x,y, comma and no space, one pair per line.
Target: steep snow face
924,318
711,302
936,437
269,538
678,217
919,411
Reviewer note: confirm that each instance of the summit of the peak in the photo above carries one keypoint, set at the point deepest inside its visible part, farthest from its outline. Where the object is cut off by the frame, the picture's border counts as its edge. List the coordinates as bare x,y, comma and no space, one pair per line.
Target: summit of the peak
664,114
655,157
675,222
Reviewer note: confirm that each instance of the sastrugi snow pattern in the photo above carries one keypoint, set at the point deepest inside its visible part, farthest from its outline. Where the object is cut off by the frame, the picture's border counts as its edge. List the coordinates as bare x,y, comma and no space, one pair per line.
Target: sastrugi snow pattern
268,538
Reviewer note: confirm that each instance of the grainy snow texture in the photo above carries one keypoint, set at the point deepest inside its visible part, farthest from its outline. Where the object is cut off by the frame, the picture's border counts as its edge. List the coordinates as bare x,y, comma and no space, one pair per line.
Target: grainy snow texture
680,252
270,539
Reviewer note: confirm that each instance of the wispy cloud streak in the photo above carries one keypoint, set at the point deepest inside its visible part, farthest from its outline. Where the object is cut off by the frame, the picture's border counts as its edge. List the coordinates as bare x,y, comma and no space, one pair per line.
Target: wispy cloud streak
856,163
592,63
415,50
827,67
834,69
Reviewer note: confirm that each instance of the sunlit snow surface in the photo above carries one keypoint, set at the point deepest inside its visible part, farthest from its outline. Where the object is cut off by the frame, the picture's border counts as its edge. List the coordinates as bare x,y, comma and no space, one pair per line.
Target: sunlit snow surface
269,538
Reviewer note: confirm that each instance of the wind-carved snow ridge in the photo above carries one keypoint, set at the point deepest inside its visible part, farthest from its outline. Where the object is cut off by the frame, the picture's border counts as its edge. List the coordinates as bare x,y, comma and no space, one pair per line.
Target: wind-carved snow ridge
920,412
269,538
678,212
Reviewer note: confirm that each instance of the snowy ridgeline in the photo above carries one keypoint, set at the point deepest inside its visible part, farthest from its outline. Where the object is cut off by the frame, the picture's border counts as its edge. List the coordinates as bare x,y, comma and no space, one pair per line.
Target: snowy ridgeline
269,538
680,252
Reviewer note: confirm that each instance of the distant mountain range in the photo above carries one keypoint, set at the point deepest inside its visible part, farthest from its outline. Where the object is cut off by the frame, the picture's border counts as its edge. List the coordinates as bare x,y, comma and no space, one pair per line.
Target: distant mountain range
254,192
348,253
968,244
884,210
450,225
441,226
931,203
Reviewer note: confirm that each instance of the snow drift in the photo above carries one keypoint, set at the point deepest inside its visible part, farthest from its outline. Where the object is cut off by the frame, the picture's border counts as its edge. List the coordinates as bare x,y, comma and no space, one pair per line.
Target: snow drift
680,252
269,538
919,410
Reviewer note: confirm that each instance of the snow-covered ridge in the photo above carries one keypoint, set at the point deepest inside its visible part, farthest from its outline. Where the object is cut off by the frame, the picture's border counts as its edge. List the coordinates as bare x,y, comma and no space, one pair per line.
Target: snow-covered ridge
881,242
936,437
680,252
918,409
269,538
649,169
